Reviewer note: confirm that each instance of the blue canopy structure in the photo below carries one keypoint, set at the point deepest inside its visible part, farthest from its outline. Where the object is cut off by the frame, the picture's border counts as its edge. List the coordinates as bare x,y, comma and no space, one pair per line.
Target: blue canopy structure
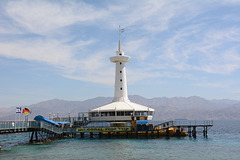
142,121
41,118
63,122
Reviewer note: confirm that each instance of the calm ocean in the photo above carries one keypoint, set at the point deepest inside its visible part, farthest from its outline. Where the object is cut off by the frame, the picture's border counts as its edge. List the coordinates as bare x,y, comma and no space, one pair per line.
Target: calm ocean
223,143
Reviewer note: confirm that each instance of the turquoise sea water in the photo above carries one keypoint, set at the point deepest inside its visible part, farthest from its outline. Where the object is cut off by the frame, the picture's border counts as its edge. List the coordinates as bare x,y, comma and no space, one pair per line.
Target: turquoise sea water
223,142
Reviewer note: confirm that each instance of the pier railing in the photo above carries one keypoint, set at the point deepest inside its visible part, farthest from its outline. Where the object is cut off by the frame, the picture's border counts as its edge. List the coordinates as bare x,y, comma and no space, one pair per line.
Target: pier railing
194,123
51,127
69,130
12,125
21,126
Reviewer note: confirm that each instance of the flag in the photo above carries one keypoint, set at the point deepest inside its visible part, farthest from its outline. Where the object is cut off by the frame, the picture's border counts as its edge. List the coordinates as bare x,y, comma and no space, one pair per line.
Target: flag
122,30
26,111
18,110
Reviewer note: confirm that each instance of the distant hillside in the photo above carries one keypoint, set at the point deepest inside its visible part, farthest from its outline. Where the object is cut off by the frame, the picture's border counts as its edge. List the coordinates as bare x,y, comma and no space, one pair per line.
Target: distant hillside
165,108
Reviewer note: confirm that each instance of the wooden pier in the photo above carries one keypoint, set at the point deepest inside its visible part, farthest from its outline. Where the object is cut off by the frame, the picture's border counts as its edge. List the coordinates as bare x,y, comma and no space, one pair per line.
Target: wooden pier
42,131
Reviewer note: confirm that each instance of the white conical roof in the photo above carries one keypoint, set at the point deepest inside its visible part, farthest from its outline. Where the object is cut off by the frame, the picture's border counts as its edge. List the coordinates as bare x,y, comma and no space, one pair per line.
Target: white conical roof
122,106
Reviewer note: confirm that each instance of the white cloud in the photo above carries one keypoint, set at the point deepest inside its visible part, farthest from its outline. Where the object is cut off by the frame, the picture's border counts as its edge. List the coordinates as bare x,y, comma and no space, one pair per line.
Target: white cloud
232,56
60,55
192,46
237,91
213,85
49,52
9,29
135,75
230,2
137,48
213,51
220,52
43,17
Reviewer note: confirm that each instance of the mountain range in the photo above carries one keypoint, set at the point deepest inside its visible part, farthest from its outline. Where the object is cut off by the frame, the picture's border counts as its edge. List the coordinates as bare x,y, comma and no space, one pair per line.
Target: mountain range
192,108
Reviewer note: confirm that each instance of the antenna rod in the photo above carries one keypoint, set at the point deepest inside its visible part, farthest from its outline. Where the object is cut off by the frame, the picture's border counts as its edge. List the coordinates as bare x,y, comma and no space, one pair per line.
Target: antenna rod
119,32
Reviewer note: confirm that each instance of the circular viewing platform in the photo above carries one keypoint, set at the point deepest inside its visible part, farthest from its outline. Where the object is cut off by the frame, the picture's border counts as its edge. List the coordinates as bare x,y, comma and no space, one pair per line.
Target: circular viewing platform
116,59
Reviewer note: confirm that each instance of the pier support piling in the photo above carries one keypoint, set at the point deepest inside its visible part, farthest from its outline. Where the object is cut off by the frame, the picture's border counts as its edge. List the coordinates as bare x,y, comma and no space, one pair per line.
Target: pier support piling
36,136
31,139
205,131
91,134
194,133
178,131
167,132
82,135
189,131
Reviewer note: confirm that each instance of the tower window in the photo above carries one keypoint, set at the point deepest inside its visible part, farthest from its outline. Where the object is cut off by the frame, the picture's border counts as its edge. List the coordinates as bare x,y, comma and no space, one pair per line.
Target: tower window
120,71
120,54
121,88
120,80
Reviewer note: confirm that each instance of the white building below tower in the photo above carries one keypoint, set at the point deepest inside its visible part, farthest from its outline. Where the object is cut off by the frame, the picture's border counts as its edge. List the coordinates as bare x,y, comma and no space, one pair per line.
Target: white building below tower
121,109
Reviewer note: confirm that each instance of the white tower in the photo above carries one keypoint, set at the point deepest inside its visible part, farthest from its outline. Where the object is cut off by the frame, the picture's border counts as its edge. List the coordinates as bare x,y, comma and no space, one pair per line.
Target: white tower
120,93
121,109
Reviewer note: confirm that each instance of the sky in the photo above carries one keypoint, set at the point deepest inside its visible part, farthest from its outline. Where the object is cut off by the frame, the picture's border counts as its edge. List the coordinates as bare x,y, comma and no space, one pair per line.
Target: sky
60,49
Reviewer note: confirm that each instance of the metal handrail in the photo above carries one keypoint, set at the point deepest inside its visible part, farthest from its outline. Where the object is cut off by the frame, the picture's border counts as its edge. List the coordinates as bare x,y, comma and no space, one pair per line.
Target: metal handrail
51,127
23,125
18,125
194,123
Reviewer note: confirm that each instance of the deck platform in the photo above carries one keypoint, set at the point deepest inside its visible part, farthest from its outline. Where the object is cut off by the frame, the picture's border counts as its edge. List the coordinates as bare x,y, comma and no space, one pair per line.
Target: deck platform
42,131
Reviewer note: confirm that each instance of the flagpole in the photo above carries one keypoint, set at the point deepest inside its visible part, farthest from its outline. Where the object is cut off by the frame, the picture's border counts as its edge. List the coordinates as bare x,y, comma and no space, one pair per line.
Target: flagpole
19,120
15,119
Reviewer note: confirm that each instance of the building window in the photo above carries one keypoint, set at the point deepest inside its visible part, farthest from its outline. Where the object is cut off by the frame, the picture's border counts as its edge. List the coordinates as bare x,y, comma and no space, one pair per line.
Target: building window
137,113
120,113
120,71
127,113
105,114
120,63
95,114
112,113
120,54
120,80
121,88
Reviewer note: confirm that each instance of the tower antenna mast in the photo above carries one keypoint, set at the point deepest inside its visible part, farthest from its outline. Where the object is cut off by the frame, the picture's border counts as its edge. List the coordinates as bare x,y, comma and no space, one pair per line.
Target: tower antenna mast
120,32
